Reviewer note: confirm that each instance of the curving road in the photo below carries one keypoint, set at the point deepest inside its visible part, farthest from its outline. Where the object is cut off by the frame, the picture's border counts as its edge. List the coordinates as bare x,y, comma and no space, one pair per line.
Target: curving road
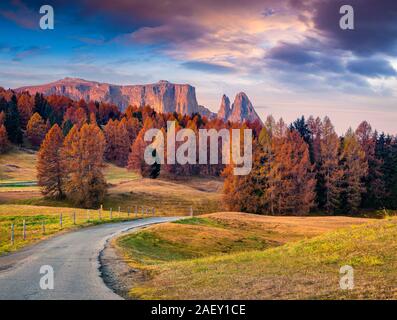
74,258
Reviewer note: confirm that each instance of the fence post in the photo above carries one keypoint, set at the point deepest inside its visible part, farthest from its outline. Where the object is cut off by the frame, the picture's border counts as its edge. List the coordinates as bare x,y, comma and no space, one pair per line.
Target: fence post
60,220
74,217
143,213
136,211
191,211
24,230
12,234
43,227
119,212
153,211
88,215
128,212
110,213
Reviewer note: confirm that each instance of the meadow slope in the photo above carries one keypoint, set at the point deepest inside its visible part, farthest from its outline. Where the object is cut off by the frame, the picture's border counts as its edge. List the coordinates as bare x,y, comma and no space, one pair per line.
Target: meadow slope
241,256
20,199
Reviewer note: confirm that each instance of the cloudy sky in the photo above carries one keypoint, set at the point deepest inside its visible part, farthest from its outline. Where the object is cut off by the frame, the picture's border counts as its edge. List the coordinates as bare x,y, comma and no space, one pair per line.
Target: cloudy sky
290,57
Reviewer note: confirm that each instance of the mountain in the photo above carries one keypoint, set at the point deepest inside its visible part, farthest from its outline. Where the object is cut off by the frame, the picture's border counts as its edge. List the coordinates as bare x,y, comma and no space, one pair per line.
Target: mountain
162,96
224,110
206,112
241,110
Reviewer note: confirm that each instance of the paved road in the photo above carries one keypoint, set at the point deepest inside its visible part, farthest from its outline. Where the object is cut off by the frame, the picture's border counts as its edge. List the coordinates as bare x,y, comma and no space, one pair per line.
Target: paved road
74,257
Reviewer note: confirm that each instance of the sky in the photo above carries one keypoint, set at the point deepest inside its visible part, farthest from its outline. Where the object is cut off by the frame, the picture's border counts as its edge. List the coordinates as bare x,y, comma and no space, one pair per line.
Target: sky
289,56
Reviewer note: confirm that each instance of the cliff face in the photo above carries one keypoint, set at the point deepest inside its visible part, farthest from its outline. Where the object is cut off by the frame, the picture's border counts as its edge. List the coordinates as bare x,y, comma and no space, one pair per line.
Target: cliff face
241,110
163,96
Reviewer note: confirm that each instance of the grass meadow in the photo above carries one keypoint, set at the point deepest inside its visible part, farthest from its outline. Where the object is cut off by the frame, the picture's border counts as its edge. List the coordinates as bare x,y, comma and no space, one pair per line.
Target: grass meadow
243,256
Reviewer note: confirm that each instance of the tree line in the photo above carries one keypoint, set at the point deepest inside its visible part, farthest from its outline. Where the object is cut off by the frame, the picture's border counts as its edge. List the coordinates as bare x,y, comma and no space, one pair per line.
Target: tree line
307,167
298,168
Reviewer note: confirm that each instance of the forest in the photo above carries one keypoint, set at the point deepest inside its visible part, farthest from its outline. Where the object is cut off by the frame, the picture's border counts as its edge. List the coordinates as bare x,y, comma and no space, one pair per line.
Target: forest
298,169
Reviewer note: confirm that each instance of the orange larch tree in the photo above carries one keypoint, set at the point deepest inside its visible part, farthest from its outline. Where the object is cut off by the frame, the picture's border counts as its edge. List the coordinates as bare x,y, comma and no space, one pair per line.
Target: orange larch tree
25,108
49,164
36,130
83,153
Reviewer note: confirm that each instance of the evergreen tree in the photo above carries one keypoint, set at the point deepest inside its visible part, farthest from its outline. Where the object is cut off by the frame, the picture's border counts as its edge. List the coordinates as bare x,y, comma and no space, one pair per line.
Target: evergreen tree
329,177
374,184
355,169
67,126
249,193
155,167
12,121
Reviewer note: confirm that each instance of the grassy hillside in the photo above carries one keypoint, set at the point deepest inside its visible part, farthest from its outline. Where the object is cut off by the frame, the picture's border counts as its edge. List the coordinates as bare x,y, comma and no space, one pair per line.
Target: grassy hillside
291,258
126,188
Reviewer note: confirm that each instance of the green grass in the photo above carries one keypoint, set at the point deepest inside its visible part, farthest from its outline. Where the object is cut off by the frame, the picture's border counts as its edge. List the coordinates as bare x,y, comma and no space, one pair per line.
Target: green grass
35,216
149,249
196,221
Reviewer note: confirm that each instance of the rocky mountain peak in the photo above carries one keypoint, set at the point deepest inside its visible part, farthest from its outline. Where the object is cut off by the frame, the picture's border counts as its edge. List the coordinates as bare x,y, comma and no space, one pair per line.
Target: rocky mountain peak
241,110
224,110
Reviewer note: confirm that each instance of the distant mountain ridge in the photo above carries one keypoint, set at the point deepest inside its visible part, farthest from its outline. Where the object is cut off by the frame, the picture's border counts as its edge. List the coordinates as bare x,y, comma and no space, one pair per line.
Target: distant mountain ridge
162,96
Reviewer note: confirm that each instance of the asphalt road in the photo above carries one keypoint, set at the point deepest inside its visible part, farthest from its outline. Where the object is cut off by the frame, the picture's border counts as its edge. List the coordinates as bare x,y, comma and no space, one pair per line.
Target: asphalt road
74,257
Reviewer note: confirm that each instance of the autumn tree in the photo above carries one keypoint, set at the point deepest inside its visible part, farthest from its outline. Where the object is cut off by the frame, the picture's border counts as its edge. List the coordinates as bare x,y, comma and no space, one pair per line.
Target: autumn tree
36,129
25,108
281,180
76,116
136,159
315,127
49,164
133,127
355,169
117,142
83,153
293,172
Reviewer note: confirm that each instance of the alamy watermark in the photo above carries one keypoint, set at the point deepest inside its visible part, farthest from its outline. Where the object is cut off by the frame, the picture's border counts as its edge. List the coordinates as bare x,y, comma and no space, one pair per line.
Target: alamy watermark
47,20
347,277
47,280
193,149
346,22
